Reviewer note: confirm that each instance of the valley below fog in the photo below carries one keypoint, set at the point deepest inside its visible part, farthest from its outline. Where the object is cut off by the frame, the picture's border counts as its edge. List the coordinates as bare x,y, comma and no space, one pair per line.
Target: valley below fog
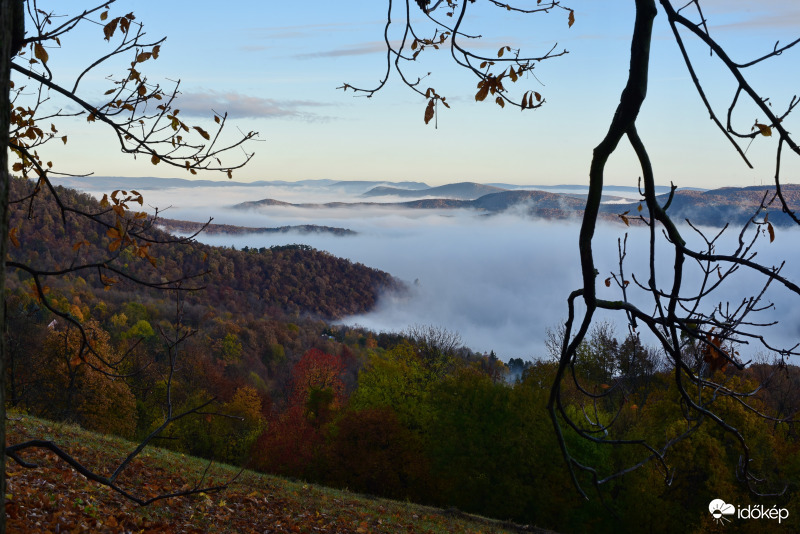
499,280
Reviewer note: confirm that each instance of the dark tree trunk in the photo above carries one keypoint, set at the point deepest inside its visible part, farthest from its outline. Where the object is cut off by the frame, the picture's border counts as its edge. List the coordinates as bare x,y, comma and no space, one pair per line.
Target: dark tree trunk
6,31
11,31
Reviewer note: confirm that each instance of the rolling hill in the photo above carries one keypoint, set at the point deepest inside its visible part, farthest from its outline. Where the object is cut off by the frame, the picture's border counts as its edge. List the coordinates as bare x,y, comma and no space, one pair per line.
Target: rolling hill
189,227
717,207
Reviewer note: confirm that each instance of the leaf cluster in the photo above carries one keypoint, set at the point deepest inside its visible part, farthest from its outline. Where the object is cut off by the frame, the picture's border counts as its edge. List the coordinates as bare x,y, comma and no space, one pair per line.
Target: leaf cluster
514,66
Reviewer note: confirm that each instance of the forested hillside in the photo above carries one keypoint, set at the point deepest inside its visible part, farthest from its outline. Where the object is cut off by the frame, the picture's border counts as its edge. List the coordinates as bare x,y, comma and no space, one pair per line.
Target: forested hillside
288,279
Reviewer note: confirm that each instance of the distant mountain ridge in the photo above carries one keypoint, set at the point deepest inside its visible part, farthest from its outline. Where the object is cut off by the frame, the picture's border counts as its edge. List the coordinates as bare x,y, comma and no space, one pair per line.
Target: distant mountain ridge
459,191
735,205
108,183
401,186
534,203
729,204
365,188
96,183
660,189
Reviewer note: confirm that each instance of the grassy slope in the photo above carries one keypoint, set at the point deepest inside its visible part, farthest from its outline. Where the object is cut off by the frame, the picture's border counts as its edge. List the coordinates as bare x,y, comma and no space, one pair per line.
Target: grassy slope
53,498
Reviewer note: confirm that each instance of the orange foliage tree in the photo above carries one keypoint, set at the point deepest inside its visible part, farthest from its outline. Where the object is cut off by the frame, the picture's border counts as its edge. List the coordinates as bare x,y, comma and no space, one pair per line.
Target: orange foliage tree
78,385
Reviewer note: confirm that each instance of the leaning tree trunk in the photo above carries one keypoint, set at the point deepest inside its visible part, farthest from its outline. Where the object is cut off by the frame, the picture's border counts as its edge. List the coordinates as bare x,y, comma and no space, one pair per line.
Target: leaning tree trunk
8,10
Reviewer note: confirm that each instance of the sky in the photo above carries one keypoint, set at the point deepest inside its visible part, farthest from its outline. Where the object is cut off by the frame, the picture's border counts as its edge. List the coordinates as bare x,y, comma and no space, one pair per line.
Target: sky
275,67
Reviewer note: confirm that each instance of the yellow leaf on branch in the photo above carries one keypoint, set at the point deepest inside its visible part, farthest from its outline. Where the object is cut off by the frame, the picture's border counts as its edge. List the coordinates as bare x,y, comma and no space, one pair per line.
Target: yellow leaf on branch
40,53
765,130
203,133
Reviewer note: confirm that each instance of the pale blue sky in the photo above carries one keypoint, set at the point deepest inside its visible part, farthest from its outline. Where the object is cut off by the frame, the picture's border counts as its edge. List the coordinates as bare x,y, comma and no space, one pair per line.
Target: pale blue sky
275,67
